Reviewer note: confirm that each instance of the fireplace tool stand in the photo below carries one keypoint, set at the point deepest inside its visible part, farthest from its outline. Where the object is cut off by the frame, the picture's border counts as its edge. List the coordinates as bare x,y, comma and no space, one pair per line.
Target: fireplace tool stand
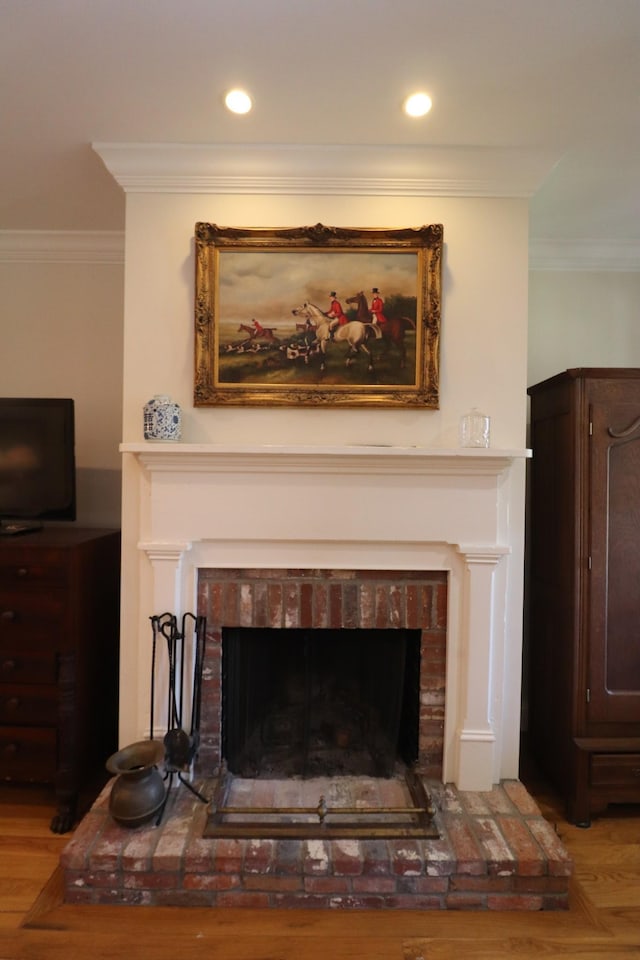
180,746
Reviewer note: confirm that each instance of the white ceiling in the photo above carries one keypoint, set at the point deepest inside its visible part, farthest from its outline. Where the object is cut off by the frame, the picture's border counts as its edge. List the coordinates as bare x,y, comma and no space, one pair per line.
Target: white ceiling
558,78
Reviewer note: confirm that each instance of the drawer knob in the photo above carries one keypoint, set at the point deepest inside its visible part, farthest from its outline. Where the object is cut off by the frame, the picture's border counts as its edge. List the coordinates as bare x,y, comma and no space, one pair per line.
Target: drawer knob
22,571
8,615
635,771
10,750
8,666
12,704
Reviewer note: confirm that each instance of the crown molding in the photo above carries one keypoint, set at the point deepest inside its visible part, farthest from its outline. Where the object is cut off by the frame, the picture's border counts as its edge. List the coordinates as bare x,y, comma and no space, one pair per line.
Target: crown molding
332,170
61,246
107,246
620,256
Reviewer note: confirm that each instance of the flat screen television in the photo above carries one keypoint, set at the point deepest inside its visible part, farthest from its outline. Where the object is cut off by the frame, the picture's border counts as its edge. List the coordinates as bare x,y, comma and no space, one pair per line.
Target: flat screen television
37,459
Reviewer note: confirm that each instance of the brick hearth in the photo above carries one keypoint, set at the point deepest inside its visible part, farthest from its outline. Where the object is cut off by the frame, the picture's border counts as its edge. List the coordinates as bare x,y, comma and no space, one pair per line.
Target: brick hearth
495,852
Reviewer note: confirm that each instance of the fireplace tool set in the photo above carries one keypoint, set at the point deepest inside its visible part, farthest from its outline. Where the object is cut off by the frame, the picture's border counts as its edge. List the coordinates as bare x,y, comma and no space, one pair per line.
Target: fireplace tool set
180,747
140,792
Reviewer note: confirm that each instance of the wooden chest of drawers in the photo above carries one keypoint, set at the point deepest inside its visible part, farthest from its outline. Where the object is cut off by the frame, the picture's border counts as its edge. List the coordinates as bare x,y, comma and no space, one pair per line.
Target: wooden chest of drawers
59,619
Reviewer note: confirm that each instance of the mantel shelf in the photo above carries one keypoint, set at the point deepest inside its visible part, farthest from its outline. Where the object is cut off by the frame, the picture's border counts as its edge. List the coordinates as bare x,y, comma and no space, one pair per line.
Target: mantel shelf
201,457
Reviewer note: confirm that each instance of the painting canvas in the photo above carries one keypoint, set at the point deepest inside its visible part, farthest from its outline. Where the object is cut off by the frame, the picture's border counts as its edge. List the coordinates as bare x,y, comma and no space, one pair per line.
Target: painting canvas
317,316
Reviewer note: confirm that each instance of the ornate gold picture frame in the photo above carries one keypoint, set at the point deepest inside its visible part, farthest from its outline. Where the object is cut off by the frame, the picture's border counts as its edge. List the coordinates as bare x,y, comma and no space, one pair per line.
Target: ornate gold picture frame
317,316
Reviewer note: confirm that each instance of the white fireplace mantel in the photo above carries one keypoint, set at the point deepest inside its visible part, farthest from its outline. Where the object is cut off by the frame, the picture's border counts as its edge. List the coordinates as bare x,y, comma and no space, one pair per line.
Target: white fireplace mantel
343,507
352,457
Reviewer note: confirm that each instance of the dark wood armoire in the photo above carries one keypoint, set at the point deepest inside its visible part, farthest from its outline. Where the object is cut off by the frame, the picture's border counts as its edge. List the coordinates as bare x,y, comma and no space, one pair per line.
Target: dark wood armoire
583,637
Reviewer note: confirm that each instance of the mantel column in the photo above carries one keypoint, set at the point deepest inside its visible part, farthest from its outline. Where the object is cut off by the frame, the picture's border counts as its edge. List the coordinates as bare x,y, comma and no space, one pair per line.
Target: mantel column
164,597
166,559
476,734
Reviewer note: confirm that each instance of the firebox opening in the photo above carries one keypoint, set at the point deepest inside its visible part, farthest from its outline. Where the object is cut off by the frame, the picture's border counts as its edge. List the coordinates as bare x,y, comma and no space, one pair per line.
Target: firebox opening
319,702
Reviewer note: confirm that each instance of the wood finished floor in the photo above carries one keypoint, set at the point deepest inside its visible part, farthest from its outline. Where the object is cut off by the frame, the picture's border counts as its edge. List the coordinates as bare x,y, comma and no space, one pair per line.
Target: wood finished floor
602,924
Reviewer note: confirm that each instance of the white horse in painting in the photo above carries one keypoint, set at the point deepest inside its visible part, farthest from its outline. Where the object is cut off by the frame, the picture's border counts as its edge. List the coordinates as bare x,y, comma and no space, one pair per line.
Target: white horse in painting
354,333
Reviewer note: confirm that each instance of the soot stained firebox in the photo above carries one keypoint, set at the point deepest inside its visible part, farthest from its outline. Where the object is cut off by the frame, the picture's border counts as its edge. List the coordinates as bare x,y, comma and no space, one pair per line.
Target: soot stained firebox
319,702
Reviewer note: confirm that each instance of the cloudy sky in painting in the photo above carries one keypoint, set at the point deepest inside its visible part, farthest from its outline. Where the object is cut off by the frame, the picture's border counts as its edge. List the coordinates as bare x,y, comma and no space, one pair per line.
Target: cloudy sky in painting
267,285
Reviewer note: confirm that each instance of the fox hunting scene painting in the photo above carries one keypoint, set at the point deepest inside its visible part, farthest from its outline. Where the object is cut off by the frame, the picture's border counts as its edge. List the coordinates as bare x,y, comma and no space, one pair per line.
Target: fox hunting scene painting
317,316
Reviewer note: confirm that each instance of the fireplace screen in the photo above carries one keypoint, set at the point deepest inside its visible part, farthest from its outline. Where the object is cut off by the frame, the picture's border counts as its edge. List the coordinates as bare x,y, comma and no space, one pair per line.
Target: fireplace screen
319,702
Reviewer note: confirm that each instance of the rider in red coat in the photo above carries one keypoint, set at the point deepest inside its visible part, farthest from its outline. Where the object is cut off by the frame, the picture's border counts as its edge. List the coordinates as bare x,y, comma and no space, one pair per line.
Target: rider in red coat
335,314
377,307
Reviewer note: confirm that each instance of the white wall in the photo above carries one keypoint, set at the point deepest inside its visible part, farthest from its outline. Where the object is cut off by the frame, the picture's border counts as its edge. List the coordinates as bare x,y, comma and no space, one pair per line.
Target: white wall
582,319
484,325
62,337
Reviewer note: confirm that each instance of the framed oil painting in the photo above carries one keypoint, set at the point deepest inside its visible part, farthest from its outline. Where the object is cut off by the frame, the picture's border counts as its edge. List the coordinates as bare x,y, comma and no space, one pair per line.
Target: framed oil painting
317,316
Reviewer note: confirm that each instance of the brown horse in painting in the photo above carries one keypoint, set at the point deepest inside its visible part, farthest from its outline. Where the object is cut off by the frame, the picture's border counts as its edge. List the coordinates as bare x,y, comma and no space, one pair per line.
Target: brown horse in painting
265,333
392,331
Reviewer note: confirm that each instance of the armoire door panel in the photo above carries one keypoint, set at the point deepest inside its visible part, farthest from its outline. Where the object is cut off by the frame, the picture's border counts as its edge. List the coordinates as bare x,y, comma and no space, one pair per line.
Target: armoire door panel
613,605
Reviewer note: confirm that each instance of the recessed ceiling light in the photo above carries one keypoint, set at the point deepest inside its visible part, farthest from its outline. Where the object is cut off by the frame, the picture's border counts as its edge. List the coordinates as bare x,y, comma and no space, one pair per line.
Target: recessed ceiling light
238,101
417,105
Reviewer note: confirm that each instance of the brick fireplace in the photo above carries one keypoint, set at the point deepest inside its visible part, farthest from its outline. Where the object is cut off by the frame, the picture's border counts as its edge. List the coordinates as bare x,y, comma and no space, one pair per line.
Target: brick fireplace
353,537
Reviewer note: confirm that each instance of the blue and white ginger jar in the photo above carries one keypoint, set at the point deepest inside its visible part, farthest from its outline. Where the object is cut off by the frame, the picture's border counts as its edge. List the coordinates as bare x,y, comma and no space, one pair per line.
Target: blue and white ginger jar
162,419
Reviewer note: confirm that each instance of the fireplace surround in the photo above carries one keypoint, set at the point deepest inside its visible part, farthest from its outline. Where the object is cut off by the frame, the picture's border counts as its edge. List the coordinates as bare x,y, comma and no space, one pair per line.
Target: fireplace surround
343,508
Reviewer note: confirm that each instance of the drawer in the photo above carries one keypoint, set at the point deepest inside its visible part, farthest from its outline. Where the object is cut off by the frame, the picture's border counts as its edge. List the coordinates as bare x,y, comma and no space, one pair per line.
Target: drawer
29,704
27,666
24,615
615,769
28,753
18,568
